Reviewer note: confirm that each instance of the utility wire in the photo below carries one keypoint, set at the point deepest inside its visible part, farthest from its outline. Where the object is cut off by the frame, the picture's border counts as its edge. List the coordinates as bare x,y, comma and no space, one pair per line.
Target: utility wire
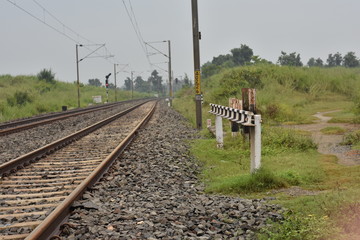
136,28
64,26
59,31
42,21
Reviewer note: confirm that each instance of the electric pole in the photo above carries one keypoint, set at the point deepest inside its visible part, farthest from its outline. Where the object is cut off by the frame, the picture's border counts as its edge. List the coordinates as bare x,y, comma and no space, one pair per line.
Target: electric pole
197,74
115,80
77,74
170,77
132,85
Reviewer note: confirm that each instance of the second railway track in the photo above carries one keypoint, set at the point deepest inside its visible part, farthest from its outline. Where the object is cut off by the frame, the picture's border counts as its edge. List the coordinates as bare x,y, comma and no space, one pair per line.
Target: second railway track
19,143
39,196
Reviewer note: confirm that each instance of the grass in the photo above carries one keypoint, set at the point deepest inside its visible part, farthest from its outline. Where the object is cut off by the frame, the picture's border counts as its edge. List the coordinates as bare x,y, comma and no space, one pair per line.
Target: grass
352,138
346,116
38,96
333,131
287,95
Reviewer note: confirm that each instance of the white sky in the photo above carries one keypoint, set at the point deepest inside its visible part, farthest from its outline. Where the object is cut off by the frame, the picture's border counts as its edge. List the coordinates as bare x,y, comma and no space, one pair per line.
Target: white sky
313,28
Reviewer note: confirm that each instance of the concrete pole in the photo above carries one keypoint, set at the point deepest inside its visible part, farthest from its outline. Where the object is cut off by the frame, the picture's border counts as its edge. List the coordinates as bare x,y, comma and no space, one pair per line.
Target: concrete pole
197,74
115,81
255,144
77,75
219,132
132,85
170,78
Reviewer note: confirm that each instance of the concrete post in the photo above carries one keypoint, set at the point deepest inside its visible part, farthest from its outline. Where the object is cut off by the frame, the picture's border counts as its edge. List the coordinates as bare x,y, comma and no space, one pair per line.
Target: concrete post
255,144
219,131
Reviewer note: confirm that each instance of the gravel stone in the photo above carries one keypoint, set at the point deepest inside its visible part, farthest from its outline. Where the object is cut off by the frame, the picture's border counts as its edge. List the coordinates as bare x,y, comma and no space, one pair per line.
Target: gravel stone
34,138
152,192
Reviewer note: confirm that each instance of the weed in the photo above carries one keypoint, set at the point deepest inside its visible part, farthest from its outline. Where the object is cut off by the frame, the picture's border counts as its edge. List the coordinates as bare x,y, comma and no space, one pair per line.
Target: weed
333,130
352,138
295,227
259,181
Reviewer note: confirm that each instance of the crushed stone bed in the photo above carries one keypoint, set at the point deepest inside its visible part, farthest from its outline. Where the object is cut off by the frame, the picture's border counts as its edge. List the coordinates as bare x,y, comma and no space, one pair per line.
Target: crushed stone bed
17,144
152,192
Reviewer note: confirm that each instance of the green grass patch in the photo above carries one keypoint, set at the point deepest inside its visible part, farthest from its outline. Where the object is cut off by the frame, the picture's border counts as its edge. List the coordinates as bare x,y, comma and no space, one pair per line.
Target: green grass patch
343,116
259,181
286,95
294,227
227,170
333,131
25,96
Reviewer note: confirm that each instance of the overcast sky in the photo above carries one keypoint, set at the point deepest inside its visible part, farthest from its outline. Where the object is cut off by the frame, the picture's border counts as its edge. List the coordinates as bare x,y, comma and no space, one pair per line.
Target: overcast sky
313,28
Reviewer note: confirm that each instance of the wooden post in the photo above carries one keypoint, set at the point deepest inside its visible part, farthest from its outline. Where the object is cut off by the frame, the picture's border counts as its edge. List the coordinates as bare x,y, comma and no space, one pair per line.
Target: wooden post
235,128
255,144
219,131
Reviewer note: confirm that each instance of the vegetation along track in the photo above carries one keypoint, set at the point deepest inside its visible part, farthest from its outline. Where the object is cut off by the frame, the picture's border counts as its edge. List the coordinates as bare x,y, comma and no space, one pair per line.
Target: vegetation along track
20,125
40,195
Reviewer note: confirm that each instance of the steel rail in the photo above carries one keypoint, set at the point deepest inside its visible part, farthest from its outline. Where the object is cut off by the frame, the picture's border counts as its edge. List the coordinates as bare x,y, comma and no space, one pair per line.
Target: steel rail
52,222
17,126
26,159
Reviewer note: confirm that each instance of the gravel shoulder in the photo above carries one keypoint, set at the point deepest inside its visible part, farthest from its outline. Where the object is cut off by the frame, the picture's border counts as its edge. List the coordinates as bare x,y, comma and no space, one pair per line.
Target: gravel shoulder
152,192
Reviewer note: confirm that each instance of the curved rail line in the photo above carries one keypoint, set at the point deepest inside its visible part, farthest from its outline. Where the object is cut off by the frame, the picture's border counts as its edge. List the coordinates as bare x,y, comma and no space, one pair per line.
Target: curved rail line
20,125
49,186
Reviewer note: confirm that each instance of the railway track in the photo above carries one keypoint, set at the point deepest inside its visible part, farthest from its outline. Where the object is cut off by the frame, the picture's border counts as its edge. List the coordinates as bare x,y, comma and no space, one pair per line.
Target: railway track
20,125
35,200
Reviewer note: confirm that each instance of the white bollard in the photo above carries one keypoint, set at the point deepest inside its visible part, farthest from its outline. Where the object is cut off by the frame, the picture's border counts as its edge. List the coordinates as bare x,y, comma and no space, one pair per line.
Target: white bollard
255,144
219,131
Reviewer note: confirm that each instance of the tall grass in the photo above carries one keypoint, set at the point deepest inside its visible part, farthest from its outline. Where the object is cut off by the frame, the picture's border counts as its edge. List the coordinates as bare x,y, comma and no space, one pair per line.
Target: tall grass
283,93
47,97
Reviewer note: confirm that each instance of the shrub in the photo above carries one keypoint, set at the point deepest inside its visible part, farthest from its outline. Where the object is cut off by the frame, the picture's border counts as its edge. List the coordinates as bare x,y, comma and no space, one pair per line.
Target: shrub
281,138
19,98
47,75
352,138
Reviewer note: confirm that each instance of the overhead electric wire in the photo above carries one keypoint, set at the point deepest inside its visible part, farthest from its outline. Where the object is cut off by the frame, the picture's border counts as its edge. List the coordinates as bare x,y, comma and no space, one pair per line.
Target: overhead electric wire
42,21
137,30
64,25
59,31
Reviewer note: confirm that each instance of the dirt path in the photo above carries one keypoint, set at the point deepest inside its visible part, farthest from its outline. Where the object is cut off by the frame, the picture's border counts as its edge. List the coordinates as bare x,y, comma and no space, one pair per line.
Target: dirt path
330,144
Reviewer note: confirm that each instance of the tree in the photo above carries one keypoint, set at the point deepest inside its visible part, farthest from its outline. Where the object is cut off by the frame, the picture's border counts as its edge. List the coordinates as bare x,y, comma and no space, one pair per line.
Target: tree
338,59
94,82
350,60
47,75
319,62
187,82
127,84
315,62
141,85
242,55
155,81
219,60
291,59
331,61
311,62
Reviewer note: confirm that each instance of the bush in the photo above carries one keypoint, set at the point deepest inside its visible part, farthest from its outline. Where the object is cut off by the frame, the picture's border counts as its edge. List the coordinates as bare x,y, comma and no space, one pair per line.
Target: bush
19,98
47,75
281,138
352,138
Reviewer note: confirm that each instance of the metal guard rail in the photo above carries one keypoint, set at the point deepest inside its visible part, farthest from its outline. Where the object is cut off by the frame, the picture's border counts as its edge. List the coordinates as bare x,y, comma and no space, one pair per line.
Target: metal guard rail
246,118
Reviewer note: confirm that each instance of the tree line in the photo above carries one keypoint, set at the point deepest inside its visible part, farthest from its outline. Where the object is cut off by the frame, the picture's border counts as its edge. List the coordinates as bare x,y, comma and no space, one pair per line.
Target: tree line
153,84
245,56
